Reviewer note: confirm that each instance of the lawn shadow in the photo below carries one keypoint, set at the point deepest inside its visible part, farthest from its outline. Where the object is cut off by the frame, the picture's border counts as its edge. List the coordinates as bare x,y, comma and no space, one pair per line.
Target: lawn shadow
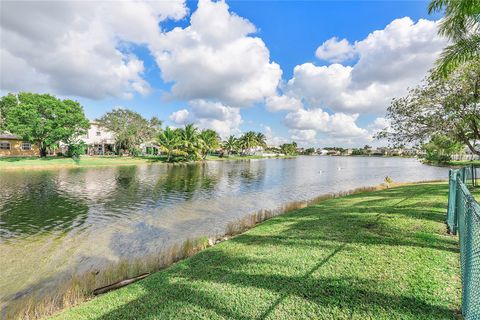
188,285
166,294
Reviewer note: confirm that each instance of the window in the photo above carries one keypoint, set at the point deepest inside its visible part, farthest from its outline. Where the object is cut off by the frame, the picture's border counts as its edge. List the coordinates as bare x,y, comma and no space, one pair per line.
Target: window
99,133
4,145
26,146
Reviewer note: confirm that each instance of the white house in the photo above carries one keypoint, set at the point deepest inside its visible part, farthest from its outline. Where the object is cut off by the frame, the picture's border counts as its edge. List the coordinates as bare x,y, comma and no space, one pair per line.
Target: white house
322,152
99,140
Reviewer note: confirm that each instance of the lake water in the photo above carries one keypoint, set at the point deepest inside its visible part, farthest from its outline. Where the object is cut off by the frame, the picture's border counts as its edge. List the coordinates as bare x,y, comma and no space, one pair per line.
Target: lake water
54,222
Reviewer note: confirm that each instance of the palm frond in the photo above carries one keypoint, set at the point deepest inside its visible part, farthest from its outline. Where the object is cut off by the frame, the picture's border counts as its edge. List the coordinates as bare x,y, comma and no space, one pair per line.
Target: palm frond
458,53
461,17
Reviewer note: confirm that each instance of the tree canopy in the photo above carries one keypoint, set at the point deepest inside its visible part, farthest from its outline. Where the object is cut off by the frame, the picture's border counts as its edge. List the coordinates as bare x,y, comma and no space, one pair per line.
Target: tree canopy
289,149
440,106
130,128
42,119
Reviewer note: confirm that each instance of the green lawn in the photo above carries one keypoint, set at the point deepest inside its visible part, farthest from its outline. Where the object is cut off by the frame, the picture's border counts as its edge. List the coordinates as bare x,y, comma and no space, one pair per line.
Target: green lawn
378,255
54,162
87,161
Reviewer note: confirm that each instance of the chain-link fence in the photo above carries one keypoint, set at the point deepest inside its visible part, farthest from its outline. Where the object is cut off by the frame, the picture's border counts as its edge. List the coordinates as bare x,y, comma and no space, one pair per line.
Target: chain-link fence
463,217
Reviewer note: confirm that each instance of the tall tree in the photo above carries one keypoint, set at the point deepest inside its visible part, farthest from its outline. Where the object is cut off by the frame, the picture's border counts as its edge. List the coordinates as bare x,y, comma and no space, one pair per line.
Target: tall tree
130,128
261,140
43,119
289,149
209,141
169,141
440,148
231,144
461,25
248,141
190,141
441,106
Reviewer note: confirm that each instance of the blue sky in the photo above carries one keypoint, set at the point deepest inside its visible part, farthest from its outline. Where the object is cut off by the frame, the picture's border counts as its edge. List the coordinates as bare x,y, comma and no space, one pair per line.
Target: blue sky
291,32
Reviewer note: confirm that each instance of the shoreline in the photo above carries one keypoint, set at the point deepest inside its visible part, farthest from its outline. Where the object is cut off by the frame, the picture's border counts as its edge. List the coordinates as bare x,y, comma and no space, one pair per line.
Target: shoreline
106,161
178,252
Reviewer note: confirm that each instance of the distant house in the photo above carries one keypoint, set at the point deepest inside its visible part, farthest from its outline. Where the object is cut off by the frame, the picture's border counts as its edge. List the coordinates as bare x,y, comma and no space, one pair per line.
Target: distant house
322,152
99,140
13,146
150,148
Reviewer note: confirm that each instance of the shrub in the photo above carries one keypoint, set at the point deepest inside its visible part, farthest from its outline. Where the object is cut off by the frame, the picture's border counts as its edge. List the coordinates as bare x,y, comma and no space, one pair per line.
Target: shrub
75,150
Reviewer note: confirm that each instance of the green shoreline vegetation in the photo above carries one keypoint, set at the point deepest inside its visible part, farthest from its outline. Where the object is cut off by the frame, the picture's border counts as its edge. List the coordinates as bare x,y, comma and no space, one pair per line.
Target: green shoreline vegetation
373,255
453,163
99,161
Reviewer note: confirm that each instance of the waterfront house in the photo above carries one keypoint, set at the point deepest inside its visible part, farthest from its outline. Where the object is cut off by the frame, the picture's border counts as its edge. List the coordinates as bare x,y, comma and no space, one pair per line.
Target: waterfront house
13,146
150,148
322,152
99,140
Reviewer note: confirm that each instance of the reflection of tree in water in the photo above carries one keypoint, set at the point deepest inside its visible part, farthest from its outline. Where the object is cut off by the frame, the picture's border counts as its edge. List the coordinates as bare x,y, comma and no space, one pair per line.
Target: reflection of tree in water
251,174
126,178
187,180
38,205
128,189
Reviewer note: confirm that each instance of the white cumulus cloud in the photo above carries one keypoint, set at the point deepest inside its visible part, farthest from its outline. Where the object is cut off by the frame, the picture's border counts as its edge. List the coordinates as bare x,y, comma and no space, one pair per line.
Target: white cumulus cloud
389,61
217,58
79,48
335,50
224,119
282,103
337,124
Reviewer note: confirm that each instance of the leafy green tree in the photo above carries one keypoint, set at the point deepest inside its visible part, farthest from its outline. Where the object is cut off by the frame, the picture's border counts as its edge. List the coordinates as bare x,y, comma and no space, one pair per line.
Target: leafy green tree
43,119
210,141
75,150
231,144
309,151
441,106
289,149
440,148
130,128
169,140
461,25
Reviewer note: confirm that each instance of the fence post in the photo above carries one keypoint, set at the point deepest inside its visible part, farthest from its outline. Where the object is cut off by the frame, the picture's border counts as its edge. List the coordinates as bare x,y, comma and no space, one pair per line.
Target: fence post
452,195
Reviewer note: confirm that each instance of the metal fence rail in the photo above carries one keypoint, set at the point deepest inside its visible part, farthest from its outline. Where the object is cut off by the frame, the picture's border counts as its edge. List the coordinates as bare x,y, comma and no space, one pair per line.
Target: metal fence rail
463,217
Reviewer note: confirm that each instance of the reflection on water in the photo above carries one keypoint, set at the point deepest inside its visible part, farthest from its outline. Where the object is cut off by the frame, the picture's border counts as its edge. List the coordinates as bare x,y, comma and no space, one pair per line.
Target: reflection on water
57,222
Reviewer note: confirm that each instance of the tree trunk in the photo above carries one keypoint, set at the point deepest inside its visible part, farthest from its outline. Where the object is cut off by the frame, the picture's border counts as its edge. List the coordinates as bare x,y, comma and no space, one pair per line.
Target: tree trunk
43,151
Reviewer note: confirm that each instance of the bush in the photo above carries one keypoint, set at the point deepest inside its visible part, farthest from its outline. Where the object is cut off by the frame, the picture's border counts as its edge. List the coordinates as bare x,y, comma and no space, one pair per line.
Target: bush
75,150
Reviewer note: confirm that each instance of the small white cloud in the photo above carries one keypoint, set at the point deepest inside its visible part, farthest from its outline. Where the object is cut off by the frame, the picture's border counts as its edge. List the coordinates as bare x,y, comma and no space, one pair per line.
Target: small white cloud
283,103
303,137
334,50
180,116
317,120
273,139
210,115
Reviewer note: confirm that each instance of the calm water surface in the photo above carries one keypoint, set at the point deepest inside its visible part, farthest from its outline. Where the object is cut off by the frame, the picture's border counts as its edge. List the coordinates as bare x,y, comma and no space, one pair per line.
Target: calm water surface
71,220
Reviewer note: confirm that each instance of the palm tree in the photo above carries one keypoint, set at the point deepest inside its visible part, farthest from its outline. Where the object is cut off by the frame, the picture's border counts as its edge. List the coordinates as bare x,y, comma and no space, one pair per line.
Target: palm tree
168,140
190,142
231,144
461,25
261,140
209,141
248,141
